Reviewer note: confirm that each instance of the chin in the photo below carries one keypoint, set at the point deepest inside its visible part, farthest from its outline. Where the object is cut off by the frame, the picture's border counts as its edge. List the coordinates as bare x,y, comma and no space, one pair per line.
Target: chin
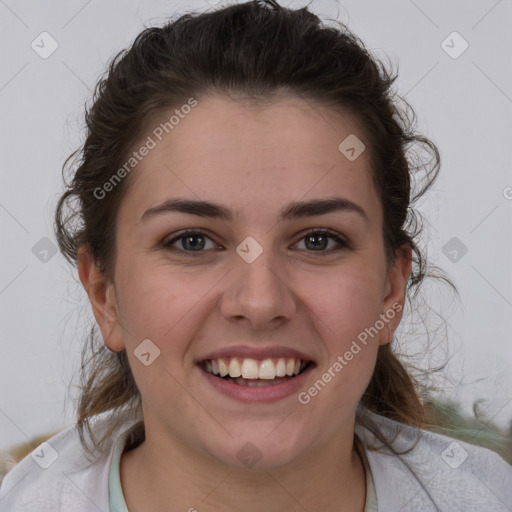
259,451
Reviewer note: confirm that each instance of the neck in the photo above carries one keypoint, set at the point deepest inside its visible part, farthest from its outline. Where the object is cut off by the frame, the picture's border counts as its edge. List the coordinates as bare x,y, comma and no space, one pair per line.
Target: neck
329,479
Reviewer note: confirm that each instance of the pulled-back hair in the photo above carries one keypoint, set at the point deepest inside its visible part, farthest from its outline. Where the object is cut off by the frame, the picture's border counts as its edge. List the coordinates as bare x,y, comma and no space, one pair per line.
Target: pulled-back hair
254,51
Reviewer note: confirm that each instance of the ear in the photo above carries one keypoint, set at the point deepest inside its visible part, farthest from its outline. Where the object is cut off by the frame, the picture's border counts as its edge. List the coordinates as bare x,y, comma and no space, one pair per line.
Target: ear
394,299
101,292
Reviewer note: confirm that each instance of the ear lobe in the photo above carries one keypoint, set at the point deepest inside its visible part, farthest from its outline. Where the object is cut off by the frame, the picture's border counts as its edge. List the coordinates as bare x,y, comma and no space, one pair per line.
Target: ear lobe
101,292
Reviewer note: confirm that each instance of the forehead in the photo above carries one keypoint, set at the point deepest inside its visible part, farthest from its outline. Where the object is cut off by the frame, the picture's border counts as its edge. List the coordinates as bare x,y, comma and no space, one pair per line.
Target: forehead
247,156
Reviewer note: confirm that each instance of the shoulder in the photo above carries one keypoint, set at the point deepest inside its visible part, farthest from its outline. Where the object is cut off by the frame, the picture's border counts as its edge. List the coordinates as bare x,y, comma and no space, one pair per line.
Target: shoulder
60,476
438,473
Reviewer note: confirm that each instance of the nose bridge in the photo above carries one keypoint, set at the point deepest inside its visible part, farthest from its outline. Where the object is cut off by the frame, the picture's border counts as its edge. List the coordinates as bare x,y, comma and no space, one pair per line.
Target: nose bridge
257,289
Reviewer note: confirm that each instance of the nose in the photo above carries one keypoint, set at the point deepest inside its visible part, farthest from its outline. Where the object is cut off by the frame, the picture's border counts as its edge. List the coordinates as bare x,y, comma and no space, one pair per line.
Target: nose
258,294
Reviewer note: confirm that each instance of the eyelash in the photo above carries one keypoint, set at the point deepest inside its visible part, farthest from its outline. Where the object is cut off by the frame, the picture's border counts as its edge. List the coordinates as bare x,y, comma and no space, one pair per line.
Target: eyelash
343,244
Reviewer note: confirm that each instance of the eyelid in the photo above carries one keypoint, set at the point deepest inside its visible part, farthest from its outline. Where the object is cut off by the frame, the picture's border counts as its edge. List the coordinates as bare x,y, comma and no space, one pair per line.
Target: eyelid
342,241
167,242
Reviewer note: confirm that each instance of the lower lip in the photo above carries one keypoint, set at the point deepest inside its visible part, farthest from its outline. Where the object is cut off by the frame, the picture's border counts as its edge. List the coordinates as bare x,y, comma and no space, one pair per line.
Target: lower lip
270,393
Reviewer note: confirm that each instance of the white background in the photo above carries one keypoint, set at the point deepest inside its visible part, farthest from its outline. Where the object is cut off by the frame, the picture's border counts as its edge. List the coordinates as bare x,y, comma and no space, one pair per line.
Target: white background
464,105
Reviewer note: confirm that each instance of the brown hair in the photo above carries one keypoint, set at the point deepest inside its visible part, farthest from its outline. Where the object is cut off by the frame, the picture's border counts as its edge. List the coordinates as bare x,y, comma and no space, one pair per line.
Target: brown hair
255,49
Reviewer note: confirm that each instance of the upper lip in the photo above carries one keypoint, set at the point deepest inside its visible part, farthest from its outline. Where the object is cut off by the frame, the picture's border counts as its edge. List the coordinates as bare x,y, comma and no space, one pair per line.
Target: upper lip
245,351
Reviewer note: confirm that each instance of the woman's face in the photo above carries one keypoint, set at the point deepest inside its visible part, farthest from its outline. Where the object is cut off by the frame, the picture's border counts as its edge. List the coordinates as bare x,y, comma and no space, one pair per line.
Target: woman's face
253,285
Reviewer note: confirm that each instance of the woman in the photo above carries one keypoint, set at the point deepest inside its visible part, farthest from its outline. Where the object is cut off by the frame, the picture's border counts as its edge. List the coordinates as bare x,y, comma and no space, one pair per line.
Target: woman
247,244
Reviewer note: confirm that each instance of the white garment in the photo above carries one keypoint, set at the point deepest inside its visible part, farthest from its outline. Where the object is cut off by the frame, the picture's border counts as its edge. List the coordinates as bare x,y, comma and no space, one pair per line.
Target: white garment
458,476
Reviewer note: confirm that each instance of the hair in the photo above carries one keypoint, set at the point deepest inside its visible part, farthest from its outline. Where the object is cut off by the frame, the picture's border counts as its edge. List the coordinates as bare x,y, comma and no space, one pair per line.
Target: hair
253,51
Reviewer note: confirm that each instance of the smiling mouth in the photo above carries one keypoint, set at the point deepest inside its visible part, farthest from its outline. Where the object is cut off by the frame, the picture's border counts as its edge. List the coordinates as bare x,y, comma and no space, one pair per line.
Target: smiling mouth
254,373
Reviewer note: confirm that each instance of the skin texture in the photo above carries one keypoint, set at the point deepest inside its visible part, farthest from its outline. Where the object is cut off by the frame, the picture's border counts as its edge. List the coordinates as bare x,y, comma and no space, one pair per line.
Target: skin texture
254,161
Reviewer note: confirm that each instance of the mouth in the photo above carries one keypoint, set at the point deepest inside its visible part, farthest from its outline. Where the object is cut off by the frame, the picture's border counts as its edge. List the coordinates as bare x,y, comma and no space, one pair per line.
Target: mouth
251,372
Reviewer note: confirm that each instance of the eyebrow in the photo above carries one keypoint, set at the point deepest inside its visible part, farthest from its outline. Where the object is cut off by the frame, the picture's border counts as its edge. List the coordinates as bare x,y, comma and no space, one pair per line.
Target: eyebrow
299,209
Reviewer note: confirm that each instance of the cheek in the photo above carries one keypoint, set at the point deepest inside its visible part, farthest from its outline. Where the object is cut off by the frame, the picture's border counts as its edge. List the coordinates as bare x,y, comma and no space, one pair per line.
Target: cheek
348,301
152,304
350,311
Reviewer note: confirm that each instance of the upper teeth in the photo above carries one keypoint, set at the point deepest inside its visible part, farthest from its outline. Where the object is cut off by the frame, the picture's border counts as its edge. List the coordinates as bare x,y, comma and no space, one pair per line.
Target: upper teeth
253,369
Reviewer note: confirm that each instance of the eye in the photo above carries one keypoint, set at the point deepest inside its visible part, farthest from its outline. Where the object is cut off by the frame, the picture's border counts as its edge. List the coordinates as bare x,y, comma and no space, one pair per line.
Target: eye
318,240
191,241
195,241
